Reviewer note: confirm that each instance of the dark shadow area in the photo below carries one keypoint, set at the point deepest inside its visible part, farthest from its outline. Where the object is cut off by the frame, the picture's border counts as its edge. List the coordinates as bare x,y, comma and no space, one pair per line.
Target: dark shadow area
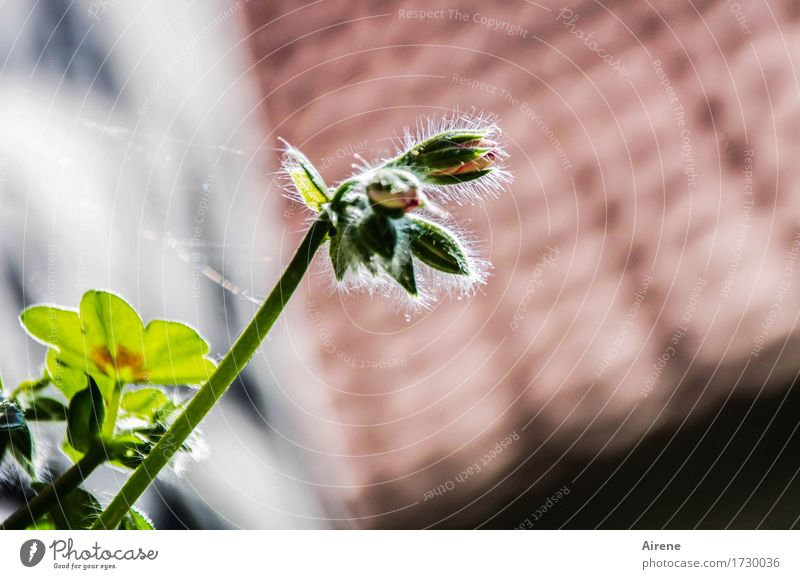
742,474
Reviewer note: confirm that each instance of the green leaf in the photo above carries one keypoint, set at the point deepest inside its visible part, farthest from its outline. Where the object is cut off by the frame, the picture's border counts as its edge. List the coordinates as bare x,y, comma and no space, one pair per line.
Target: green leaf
108,341
437,247
379,234
312,197
67,379
43,409
57,327
136,520
85,418
145,403
338,256
77,510
307,180
401,268
114,332
175,354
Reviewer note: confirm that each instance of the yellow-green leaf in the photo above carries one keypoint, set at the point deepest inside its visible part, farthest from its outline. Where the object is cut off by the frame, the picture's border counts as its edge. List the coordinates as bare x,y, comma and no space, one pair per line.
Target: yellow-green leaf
107,340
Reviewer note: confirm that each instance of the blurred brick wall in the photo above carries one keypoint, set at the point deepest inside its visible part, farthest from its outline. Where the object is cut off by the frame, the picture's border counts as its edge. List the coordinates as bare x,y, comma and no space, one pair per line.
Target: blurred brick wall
634,233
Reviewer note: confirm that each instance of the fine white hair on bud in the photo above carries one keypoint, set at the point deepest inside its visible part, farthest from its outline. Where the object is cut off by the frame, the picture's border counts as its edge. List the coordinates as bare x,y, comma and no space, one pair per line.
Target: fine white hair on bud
387,235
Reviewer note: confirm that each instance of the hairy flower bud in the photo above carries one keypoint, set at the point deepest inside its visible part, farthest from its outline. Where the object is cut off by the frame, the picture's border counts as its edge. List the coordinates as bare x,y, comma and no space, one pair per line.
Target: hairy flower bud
485,155
375,233
452,157
393,192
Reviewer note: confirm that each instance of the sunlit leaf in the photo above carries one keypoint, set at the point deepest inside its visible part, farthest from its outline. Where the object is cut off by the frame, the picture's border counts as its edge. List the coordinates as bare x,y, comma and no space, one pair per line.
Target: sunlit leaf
108,340
312,197
144,403
71,380
175,354
307,180
57,327
136,520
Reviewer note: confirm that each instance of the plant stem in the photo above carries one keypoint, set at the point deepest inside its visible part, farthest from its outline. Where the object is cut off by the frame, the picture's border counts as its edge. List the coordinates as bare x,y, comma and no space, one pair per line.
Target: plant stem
50,497
229,368
113,410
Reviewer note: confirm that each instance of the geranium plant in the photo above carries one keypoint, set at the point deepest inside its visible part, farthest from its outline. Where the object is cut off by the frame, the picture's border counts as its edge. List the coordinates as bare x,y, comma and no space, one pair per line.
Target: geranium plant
118,384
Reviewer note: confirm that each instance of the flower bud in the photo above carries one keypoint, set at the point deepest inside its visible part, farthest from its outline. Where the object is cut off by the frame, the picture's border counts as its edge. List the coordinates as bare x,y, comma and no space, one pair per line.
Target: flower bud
452,157
437,247
393,192
486,155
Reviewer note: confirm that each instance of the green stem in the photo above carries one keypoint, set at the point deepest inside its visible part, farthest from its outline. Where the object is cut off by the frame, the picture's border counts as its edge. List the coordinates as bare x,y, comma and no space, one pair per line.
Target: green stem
229,368
49,498
113,410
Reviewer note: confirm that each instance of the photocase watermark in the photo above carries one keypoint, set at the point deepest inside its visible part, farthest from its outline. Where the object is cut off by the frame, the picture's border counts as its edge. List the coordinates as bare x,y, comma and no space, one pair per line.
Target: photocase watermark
476,84
543,509
568,18
51,272
546,260
433,14
526,109
548,133
768,322
622,334
343,153
185,51
330,347
31,552
200,214
489,22
88,214
679,113
677,337
739,15
744,225
66,556
98,8
473,469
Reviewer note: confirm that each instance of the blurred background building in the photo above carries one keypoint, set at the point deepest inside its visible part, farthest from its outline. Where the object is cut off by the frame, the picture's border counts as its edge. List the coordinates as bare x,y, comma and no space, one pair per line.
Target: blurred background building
632,360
